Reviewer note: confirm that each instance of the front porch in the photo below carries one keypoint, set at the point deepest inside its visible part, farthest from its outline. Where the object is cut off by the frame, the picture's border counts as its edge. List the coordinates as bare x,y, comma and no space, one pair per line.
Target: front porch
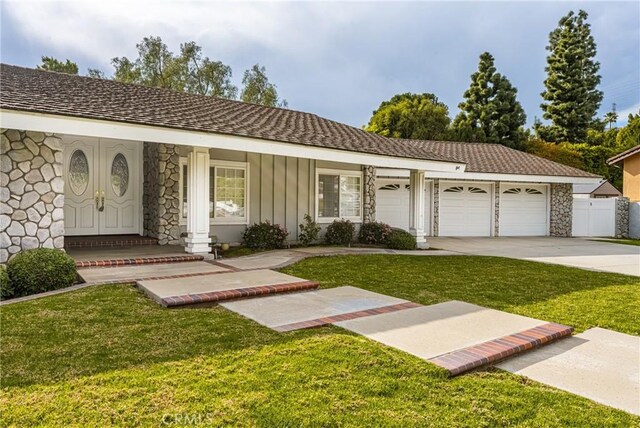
188,197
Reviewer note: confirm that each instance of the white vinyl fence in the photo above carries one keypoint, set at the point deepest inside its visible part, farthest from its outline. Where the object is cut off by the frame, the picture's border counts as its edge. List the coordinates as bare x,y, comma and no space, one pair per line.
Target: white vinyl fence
594,217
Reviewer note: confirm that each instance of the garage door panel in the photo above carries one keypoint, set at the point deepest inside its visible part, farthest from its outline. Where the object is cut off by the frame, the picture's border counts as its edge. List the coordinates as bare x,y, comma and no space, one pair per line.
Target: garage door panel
523,210
465,209
392,204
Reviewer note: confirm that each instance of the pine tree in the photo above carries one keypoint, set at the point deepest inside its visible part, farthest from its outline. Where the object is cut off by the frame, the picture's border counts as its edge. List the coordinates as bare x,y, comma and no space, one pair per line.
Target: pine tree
571,96
490,112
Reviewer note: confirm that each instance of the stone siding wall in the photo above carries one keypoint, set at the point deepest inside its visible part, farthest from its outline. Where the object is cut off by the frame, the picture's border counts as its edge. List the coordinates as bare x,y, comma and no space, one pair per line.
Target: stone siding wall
436,207
161,200
31,192
561,210
622,217
496,209
369,190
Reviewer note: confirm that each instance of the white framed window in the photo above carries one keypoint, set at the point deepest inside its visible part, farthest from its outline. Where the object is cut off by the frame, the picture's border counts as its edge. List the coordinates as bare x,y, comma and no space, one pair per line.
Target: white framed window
229,200
184,174
338,195
228,192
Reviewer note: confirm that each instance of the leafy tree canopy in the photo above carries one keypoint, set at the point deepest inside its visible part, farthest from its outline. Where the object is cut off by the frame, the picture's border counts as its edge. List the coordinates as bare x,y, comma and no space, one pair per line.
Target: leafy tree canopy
53,64
258,90
571,97
490,111
413,116
629,136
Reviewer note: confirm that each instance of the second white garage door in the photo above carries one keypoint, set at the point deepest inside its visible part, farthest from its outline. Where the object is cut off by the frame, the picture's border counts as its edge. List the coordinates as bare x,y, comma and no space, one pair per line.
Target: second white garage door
465,209
523,210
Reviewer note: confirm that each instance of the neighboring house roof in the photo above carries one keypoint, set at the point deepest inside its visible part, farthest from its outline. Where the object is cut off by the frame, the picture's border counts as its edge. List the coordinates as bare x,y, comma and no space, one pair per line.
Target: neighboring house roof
602,188
499,159
622,156
39,91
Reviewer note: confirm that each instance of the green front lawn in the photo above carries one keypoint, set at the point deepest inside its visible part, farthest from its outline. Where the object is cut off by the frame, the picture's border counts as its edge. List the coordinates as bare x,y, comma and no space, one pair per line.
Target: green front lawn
108,355
625,241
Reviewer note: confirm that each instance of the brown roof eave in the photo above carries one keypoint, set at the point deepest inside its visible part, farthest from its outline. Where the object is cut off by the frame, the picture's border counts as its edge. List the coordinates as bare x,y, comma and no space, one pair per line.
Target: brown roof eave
239,135
615,160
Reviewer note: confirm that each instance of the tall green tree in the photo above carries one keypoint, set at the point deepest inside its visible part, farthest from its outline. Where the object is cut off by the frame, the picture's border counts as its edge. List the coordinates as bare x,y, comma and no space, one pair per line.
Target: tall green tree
189,71
204,76
490,111
258,90
155,66
53,64
413,116
571,97
611,118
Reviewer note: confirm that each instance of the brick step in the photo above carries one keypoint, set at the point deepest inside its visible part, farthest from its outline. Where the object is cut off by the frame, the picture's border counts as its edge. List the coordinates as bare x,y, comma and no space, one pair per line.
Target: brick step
490,352
107,241
230,285
138,261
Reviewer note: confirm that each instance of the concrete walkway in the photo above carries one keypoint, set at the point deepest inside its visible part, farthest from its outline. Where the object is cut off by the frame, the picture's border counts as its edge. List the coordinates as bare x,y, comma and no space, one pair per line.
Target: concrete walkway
599,364
280,258
574,252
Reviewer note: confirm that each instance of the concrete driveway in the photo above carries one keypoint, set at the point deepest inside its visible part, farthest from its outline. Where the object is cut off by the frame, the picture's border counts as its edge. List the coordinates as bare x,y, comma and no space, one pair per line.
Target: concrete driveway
575,252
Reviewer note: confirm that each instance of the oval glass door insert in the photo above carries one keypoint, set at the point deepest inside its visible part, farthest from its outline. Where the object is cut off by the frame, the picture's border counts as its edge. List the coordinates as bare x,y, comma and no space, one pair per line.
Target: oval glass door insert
78,172
119,175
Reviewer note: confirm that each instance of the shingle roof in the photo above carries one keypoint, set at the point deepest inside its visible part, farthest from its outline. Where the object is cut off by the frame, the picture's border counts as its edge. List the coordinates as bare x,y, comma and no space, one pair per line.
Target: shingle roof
499,159
622,156
30,90
41,91
602,188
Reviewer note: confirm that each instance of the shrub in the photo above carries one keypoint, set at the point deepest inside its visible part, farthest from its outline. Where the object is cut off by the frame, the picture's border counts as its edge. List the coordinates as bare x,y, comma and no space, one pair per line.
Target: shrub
5,291
401,240
340,232
374,233
309,231
40,270
265,235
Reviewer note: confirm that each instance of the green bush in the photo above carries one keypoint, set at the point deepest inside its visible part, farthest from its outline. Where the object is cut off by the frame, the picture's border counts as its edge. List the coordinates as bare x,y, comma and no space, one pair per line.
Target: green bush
40,270
265,235
374,233
309,231
401,240
340,232
5,291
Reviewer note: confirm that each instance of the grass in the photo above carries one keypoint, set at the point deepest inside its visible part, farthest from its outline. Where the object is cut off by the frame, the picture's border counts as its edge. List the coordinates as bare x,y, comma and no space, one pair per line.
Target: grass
625,241
107,355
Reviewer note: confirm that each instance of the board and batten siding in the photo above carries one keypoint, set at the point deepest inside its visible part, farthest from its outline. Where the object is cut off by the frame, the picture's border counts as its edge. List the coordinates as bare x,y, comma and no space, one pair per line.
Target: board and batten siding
281,190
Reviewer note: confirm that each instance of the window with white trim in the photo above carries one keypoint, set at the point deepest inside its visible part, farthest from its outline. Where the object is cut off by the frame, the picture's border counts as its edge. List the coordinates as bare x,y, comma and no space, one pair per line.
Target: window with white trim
339,195
228,186
183,190
228,192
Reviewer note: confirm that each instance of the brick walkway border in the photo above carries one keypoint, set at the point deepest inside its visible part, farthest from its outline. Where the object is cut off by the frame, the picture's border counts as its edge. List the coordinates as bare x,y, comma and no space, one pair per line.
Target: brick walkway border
473,357
319,322
140,261
238,293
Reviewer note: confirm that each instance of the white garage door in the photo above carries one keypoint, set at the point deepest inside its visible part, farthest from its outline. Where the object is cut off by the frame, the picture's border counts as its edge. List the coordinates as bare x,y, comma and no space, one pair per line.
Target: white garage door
392,204
465,209
523,210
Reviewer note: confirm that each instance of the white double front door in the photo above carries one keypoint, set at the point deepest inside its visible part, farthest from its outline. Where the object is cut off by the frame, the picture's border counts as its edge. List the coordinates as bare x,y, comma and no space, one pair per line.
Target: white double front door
102,186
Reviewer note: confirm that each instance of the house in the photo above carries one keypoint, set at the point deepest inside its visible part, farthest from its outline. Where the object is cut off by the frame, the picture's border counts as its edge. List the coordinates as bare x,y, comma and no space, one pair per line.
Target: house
604,189
629,161
86,156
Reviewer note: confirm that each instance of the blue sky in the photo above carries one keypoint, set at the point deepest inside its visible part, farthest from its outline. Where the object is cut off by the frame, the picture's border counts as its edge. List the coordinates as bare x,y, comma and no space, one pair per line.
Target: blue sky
337,59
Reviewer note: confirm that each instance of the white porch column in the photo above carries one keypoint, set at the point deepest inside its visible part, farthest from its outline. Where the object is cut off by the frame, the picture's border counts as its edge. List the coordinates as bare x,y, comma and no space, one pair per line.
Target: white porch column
416,207
197,240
